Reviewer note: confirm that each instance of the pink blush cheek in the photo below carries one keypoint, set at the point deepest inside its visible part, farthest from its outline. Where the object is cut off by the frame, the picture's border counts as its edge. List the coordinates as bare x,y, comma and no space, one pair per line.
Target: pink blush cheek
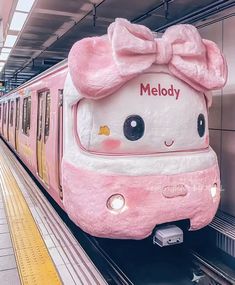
110,144
207,140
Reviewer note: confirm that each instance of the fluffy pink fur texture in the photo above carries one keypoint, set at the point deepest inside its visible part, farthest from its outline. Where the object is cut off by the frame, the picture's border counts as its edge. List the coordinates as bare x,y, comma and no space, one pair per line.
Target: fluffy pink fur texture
99,66
150,200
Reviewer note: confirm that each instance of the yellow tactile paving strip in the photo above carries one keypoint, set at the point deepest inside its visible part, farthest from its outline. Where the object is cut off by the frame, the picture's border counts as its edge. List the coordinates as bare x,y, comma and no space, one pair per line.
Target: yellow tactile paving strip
34,262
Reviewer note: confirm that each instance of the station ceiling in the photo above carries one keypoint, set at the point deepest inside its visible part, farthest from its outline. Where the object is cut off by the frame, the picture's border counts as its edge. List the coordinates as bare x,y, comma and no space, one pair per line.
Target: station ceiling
54,26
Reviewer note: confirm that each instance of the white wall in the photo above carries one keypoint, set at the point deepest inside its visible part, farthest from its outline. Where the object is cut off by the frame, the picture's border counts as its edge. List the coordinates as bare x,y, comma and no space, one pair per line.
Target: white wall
222,113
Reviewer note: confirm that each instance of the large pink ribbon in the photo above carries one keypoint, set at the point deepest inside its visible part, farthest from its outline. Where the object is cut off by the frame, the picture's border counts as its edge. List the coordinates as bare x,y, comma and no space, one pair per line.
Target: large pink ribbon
99,66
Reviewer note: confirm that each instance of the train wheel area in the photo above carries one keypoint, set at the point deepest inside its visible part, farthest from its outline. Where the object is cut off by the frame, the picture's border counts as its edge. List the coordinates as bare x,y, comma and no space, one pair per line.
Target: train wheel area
36,247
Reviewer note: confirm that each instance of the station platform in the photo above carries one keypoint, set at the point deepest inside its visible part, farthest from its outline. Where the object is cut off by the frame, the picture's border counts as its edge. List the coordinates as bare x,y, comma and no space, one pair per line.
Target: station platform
36,247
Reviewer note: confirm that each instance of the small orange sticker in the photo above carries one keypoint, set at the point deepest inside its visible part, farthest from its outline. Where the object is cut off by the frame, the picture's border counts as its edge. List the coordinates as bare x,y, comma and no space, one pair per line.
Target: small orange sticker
104,130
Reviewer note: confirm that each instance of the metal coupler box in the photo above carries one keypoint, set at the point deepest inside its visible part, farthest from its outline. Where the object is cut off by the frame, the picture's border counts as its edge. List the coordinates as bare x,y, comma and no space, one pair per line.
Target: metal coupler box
168,235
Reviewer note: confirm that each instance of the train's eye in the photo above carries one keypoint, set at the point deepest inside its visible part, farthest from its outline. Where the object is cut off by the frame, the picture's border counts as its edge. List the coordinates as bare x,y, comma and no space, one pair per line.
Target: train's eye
201,125
133,127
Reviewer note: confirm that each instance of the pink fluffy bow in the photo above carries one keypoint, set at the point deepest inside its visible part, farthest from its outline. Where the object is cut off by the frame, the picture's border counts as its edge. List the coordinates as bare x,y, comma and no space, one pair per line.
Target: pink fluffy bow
99,66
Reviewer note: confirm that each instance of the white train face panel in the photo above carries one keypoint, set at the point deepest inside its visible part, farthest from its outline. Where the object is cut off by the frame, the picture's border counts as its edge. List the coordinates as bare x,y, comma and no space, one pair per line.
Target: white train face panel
153,113
222,115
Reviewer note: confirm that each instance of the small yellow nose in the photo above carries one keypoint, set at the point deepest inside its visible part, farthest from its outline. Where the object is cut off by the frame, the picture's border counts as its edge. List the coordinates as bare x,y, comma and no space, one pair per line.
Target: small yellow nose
104,130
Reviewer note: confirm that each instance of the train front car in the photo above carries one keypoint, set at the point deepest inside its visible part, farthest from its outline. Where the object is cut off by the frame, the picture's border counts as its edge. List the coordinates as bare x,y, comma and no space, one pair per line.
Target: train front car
136,140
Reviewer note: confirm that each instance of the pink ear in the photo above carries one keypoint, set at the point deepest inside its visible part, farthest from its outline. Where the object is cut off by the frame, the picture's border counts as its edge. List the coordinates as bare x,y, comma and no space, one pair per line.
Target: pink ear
92,67
216,76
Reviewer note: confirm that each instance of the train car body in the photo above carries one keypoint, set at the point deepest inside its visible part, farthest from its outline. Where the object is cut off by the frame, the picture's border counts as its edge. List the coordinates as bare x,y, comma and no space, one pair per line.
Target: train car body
31,123
126,153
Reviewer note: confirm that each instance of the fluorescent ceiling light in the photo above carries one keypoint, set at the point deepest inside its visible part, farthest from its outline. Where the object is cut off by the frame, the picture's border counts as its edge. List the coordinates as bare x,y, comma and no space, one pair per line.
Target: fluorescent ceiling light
18,21
24,5
4,56
6,50
10,41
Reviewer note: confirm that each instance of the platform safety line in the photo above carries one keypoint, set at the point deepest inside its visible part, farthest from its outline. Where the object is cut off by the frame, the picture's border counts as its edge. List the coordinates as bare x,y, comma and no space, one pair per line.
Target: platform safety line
34,262
88,276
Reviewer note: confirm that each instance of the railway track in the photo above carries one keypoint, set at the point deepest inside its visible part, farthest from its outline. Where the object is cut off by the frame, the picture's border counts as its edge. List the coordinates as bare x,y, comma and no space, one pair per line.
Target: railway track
210,274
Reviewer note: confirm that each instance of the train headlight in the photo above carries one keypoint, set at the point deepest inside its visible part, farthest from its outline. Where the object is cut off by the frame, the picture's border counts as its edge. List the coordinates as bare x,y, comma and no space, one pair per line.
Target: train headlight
213,190
116,202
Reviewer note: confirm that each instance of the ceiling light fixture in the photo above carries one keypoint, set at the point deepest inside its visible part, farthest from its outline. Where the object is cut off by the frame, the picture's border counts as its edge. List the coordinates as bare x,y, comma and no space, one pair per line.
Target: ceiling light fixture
4,56
10,41
24,6
6,50
18,21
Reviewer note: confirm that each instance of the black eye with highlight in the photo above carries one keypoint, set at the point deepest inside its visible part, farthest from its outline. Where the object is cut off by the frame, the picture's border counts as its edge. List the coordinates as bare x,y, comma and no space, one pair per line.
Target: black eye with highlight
201,125
133,127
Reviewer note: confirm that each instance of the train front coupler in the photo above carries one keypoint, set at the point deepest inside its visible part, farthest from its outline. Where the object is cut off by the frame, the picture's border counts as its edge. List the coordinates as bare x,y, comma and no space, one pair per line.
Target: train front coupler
166,235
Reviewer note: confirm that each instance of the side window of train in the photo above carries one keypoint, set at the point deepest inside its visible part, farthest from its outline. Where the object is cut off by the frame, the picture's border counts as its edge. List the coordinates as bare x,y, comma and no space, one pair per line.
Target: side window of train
11,113
4,113
3,105
17,120
8,112
47,115
26,115
0,112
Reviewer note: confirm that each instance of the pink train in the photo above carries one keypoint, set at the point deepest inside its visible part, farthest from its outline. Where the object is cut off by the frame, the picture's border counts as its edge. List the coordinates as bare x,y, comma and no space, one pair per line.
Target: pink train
122,144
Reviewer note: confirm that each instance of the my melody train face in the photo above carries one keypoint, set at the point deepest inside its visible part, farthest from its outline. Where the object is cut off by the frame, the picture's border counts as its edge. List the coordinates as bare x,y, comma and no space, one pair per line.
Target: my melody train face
141,158
136,144
153,113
